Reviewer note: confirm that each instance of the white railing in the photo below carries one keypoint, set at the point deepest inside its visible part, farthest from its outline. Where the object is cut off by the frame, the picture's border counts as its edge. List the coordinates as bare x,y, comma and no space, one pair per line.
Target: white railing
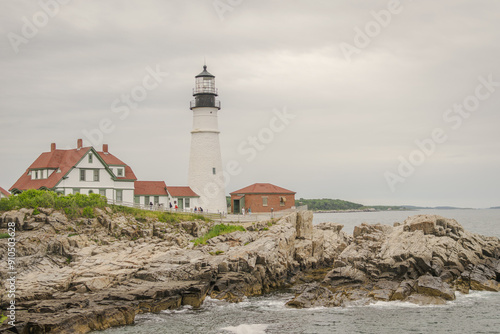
163,208
260,216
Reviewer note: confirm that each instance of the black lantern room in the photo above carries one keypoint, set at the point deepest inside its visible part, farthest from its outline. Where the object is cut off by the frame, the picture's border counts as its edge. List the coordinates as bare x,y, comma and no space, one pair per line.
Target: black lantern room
204,91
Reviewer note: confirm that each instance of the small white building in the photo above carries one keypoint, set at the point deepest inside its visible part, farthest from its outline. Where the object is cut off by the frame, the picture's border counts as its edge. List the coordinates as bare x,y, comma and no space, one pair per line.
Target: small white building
82,170
4,193
156,194
184,197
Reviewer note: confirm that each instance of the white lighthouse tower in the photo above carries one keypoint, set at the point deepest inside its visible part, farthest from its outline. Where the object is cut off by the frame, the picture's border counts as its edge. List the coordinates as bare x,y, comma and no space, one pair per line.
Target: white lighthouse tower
205,161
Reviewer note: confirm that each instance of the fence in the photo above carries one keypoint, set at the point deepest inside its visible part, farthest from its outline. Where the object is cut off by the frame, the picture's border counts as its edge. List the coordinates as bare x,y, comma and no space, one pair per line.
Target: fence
257,217
249,217
162,208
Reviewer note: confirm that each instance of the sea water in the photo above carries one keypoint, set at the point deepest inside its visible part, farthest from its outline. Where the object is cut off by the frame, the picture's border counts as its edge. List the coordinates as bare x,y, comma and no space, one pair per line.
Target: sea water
477,312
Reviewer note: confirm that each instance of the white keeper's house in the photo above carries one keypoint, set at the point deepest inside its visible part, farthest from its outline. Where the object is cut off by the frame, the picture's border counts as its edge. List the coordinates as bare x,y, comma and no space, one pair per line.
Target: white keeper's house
85,170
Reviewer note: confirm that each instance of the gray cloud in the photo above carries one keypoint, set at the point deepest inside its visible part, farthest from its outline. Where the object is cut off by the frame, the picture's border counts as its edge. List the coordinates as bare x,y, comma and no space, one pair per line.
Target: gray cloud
353,120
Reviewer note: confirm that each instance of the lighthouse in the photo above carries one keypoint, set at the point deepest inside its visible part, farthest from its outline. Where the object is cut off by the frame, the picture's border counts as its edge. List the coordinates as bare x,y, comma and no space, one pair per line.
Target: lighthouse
205,160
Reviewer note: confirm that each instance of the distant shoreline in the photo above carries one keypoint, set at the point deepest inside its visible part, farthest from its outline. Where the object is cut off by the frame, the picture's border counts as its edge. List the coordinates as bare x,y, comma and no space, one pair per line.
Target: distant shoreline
397,210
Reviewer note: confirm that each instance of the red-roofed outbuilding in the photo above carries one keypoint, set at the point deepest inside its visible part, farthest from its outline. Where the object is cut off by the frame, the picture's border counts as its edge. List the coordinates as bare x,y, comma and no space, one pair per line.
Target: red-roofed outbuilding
262,197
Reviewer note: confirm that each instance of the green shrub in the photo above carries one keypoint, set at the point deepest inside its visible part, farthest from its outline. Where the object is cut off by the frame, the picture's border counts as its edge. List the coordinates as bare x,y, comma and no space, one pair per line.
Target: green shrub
71,204
88,212
48,199
4,235
219,229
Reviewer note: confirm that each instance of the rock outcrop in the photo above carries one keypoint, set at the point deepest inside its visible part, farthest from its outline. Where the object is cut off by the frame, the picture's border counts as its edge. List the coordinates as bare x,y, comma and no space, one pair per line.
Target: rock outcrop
75,276
424,260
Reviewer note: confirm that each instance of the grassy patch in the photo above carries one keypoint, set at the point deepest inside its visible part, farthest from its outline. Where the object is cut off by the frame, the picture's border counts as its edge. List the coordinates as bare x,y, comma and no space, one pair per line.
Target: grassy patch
217,230
216,253
165,217
4,235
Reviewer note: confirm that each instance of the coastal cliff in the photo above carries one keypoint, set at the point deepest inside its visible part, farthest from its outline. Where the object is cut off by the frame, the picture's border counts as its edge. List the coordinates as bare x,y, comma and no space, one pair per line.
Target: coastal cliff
116,267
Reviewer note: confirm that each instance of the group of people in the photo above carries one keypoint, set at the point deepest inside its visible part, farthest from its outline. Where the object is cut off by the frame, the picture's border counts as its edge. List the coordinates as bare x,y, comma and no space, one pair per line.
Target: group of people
249,211
200,209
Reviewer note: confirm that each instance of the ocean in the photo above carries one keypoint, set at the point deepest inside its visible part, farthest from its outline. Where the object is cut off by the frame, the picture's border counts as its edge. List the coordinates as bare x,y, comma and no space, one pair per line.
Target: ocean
477,312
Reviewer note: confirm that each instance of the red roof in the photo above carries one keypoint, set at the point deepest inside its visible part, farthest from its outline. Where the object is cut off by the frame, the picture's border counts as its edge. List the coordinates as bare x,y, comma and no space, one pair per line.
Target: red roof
155,188
181,192
63,160
110,159
5,192
263,188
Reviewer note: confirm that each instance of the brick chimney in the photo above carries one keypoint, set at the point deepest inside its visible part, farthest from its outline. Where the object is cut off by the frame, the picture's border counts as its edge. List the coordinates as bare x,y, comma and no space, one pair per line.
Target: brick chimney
52,147
105,148
79,143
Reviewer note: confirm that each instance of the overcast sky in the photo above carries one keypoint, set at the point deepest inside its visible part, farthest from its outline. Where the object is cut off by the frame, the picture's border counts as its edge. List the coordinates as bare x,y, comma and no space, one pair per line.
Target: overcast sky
359,82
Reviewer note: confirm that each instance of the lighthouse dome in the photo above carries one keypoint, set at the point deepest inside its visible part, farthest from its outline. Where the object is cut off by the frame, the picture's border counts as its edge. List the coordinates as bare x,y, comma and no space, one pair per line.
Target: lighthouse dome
205,73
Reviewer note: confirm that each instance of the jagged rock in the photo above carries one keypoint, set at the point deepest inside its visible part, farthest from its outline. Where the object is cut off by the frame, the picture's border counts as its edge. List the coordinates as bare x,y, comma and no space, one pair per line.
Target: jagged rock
481,277
153,266
303,225
434,287
404,289
344,275
314,296
195,228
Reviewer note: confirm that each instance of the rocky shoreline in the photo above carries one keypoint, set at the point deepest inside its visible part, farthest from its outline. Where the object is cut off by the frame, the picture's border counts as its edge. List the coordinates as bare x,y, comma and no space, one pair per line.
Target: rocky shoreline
76,276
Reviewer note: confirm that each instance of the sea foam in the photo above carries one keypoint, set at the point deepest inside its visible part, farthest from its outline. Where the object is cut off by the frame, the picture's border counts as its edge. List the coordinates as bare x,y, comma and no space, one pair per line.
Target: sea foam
247,329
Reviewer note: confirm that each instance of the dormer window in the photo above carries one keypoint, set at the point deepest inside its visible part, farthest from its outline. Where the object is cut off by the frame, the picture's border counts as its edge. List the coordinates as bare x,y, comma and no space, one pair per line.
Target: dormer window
119,172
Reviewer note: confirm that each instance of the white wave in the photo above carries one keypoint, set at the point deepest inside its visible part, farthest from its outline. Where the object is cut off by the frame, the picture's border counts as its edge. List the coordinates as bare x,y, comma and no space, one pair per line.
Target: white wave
247,329
398,304
183,309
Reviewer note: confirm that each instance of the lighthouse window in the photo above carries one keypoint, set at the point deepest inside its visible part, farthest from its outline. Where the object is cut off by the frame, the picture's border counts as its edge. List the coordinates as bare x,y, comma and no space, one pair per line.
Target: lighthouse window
213,170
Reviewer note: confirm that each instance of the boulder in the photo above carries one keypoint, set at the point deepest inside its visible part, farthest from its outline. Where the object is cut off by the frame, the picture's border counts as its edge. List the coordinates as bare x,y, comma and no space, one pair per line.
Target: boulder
434,287
314,295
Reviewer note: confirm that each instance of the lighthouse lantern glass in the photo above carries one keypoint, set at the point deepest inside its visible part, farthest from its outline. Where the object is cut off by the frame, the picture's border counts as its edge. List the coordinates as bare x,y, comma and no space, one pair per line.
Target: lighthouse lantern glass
205,85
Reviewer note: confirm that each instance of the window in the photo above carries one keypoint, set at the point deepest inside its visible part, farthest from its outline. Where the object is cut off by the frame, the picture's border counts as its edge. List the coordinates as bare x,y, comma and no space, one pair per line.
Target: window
119,171
102,192
264,200
96,175
186,202
91,191
76,190
146,200
36,174
213,170
157,200
119,195
137,199
282,201
90,158
82,174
